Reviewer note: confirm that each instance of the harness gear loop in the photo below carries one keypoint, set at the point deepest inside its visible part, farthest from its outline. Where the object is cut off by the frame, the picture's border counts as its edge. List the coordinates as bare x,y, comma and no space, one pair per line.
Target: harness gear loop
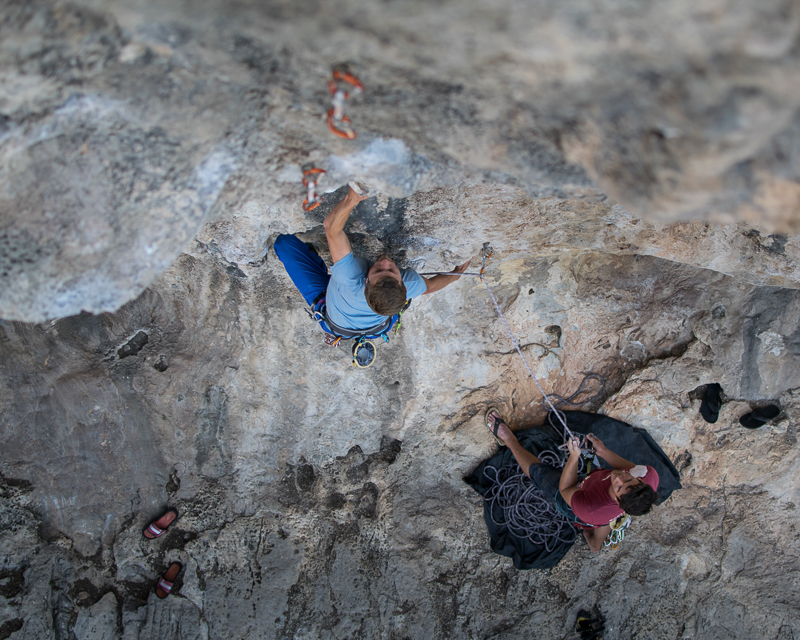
311,176
338,123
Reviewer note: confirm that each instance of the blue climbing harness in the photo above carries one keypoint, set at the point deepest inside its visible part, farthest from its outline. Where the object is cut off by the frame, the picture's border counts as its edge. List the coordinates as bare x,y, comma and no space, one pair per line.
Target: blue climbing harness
381,330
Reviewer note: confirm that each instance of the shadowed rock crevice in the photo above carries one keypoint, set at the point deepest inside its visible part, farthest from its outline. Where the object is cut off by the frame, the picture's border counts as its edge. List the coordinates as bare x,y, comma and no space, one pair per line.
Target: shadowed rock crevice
213,454
768,333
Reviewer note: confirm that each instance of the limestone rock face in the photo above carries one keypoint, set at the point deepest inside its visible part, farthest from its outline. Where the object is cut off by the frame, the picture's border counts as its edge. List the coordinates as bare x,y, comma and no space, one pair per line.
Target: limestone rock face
634,169
319,500
122,130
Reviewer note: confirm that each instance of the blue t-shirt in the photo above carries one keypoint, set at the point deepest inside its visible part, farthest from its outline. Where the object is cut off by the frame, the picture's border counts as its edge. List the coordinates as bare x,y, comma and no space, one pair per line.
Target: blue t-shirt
345,302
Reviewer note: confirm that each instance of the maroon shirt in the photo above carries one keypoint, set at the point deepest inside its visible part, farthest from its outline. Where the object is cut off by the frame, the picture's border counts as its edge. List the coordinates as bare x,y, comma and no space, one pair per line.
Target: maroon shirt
591,502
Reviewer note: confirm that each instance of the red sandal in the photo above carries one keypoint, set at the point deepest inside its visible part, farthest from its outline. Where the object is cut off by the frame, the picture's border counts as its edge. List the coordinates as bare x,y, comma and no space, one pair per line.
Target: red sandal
158,528
166,581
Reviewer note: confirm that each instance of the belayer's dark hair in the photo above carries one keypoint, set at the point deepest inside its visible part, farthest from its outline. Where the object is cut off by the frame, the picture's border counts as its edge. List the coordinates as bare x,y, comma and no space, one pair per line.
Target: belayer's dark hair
638,500
386,296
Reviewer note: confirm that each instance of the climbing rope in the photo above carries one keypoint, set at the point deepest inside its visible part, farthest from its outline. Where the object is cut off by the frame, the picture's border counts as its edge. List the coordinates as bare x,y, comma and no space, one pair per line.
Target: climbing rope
526,511
486,253
586,449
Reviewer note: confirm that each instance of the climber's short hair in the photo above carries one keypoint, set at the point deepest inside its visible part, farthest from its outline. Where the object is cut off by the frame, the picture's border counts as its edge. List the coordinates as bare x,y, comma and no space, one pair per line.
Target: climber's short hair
386,297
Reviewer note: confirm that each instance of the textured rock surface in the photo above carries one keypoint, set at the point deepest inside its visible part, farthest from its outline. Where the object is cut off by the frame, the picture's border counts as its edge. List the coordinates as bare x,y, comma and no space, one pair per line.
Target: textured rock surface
122,128
322,501
150,153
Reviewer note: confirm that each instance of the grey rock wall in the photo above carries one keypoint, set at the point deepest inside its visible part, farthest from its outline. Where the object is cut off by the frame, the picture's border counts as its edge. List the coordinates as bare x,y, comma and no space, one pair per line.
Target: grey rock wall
634,167
122,129
318,500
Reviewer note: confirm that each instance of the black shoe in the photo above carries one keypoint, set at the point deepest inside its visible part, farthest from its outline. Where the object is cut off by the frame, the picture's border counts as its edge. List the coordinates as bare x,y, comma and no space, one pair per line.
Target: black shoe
759,417
712,402
590,626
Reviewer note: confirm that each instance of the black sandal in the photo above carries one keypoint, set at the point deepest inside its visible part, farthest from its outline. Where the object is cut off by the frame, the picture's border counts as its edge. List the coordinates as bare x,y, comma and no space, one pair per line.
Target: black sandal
759,417
712,402
498,421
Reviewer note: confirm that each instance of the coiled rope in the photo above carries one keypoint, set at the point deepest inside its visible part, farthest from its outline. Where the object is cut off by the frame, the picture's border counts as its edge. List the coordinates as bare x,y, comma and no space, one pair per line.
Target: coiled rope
526,511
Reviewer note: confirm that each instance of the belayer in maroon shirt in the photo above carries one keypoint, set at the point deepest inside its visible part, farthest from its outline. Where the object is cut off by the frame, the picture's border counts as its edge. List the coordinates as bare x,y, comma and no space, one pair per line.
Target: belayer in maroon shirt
600,498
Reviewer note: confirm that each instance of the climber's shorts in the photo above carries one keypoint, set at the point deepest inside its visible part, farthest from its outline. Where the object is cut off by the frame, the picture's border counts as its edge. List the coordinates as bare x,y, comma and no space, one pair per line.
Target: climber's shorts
547,479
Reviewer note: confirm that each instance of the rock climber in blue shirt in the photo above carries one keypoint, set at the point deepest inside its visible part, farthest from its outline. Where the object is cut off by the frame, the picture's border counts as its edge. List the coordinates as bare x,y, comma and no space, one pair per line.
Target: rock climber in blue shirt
359,296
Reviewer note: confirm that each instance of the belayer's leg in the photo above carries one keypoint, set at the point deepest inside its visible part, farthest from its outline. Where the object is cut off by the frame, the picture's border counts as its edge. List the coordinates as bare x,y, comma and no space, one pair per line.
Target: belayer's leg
523,457
306,269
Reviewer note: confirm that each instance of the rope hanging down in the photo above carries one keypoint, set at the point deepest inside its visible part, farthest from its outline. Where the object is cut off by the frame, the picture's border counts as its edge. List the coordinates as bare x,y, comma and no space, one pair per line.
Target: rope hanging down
488,252
526,511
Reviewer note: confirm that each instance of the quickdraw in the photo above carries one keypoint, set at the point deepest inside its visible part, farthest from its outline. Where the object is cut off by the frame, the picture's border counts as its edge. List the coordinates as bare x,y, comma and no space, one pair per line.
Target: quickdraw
486,253
399,319
311,176
617,534
338,123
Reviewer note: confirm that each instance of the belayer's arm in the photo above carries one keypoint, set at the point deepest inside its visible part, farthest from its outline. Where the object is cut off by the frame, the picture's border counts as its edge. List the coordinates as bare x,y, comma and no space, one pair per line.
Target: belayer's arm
615,461
569,476
338,242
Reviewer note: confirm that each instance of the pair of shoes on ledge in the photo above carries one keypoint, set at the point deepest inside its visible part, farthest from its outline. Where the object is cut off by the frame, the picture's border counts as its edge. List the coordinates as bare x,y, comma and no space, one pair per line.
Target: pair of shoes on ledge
712,402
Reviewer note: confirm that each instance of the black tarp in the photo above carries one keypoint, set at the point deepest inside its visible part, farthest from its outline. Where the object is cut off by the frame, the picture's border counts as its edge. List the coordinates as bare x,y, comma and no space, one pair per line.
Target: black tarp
631,443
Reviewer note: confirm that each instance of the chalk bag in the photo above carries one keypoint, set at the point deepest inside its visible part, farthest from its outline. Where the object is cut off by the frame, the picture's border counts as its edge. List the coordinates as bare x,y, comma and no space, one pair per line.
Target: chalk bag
363,354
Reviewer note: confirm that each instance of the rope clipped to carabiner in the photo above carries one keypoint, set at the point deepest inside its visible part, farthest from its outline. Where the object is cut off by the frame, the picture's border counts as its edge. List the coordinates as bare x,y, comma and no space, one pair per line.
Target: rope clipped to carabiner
486,253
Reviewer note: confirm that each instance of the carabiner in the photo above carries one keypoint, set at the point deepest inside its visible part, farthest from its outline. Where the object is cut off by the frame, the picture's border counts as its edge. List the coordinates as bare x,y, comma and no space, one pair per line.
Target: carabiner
338,123
311,176
486,252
